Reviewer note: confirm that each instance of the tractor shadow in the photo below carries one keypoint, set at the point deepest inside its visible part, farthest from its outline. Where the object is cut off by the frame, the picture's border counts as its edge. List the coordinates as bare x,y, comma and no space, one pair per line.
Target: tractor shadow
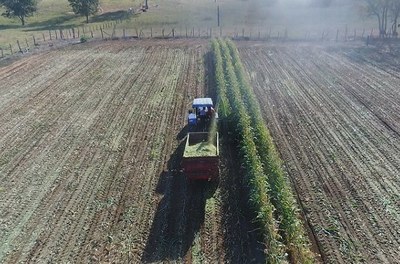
182,134
180,213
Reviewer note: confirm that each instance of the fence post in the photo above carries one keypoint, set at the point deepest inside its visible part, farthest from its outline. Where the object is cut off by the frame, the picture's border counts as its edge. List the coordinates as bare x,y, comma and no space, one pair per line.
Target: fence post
44,38
151,32
11,49
19,46
51,38
102,35
113,32
26,41
123,33
73,32
218,16
91,33
55,31
162,33
34,40
173,32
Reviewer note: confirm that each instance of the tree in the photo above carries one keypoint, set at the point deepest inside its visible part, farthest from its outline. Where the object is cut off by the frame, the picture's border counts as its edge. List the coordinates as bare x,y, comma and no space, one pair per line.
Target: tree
383,10
84,7
395,13
379,9
19,8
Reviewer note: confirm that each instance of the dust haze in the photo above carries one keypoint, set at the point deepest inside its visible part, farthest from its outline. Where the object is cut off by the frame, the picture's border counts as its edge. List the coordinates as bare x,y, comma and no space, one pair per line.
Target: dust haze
303,16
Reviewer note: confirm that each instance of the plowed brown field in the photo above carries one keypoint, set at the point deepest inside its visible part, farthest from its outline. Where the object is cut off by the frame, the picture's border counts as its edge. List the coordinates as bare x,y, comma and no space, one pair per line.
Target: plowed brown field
91,142
335,118
90,145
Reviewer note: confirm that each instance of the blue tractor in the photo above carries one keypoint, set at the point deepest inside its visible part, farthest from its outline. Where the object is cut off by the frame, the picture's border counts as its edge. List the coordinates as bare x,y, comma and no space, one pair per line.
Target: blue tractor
201,113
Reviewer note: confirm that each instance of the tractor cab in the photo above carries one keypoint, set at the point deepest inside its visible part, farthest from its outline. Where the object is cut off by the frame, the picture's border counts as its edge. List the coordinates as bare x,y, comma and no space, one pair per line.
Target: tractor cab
202,111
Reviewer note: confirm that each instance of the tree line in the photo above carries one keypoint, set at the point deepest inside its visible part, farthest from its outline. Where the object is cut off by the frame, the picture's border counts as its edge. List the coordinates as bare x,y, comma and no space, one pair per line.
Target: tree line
386,12
25,8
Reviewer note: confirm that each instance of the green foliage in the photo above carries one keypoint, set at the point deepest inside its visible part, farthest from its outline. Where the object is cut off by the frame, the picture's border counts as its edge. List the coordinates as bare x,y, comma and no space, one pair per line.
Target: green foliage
222,106
254,175
84,7
19,8
84,38
280,192
269,189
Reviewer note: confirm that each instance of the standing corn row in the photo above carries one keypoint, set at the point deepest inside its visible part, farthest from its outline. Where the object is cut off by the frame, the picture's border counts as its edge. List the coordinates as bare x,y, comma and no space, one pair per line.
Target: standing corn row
262,163
281,193
222,105
254,175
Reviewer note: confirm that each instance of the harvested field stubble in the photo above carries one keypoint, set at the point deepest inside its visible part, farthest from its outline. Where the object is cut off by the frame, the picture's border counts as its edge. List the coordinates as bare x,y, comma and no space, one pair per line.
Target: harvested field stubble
90,151
335,115
86,145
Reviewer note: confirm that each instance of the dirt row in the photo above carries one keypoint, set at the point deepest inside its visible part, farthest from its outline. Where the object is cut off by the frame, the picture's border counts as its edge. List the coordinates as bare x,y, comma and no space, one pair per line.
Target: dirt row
91,142
90,149
336,123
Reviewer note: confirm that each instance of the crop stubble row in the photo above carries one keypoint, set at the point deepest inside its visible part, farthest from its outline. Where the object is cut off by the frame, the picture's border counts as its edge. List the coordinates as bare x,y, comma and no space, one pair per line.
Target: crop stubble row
83,145
341,156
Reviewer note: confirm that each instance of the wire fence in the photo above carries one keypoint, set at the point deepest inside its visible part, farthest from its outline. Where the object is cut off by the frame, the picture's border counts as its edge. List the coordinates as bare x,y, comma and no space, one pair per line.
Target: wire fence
120,30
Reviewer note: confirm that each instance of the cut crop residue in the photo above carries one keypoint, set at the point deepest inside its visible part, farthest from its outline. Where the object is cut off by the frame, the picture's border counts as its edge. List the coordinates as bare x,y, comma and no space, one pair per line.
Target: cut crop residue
202,149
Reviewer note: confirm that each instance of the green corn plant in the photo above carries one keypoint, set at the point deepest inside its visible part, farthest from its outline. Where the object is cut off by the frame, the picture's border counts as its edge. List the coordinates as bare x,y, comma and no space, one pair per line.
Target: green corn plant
281,194
250,160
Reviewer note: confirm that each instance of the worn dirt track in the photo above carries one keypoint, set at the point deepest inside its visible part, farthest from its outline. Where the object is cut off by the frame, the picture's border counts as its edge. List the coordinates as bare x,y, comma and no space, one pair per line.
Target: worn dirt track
335,116
90,145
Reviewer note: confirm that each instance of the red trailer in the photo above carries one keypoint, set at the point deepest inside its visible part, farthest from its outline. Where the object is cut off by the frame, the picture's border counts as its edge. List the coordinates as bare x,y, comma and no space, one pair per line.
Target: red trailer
201,156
